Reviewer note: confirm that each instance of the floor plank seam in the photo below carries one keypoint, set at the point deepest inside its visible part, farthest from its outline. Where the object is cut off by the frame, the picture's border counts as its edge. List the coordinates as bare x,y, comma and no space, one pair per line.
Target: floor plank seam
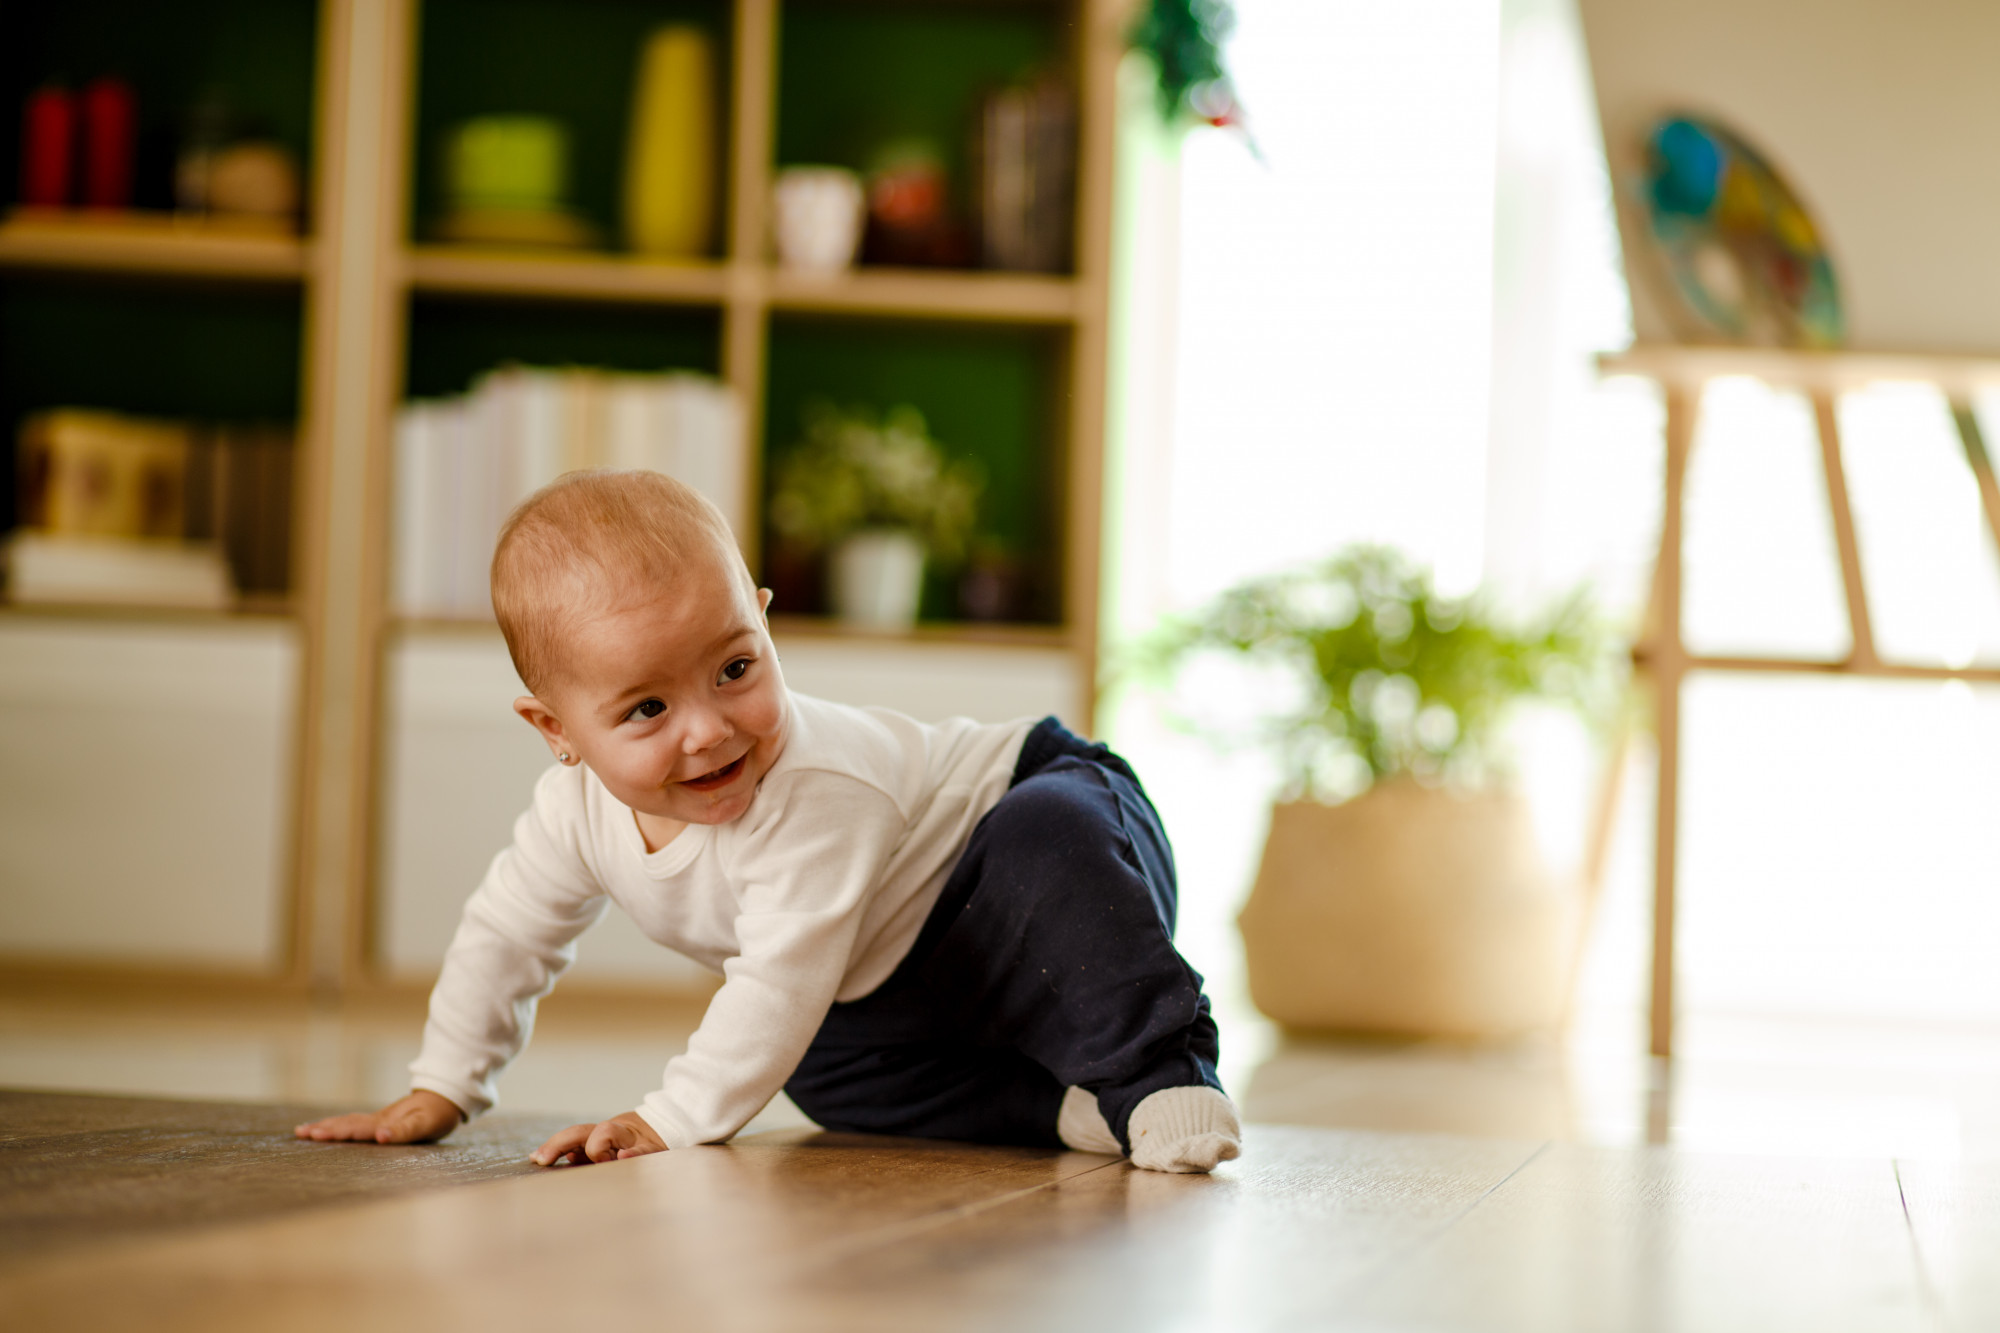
916,1226
1421,1243
1933,1298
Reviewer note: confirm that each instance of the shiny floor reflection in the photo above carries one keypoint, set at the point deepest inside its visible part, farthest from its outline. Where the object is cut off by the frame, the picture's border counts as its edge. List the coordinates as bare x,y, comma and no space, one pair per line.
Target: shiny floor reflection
1743,1085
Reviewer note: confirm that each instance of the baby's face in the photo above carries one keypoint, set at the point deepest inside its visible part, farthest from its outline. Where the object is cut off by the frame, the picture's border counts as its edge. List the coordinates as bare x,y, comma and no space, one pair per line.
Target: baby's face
676,703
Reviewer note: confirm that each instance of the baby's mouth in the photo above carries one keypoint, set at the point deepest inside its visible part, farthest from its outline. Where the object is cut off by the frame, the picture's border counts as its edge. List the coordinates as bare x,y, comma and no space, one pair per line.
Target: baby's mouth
721,777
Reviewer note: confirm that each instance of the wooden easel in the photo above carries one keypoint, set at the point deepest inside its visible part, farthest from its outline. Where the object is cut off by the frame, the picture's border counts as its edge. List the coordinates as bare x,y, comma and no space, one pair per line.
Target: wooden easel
1661,655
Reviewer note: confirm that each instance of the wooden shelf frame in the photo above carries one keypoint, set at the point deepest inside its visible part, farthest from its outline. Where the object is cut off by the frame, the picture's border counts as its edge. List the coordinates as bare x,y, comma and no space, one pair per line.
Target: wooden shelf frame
1661,656
259,608
880,292
127,245
566,277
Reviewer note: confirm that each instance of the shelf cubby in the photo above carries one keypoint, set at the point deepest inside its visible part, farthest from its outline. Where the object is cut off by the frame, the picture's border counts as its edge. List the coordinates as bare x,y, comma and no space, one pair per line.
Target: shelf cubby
572,60
857,77
989,394
222,354
257,55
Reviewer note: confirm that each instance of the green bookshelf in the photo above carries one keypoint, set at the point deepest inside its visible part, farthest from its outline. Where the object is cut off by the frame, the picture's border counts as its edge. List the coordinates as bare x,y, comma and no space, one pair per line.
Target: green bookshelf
338,327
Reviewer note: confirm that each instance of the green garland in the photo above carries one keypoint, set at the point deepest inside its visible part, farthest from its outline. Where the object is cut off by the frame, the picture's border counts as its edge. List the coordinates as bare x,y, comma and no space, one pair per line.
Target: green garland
1184,38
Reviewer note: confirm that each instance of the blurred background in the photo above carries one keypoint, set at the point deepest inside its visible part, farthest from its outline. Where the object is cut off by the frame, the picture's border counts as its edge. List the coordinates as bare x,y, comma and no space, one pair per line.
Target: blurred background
1297,394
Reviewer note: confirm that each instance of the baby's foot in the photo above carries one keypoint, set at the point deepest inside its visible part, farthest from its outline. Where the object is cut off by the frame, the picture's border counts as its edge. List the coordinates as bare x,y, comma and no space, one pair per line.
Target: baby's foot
1182,1129
1081,1125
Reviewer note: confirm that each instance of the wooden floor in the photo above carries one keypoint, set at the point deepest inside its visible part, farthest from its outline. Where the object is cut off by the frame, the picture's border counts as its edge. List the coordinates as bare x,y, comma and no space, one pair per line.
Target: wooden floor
127,1213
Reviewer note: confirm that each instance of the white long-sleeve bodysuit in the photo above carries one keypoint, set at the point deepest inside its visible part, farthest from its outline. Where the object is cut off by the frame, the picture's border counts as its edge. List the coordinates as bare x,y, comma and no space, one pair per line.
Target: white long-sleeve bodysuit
812,895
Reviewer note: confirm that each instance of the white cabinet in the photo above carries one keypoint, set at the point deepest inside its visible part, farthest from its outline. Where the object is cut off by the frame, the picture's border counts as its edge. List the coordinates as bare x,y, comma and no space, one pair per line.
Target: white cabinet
146,774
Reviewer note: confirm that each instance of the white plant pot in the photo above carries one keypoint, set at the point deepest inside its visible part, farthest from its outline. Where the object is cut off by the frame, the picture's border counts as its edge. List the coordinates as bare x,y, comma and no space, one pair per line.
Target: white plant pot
878,577
1413,911
816,217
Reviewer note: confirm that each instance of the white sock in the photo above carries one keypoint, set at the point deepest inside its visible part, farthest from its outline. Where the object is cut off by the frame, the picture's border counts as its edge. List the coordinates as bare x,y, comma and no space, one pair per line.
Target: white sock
1183,1129
1081,1125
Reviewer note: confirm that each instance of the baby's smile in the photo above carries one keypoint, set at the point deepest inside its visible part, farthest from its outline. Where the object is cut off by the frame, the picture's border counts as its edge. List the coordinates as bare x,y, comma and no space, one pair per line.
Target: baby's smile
716,778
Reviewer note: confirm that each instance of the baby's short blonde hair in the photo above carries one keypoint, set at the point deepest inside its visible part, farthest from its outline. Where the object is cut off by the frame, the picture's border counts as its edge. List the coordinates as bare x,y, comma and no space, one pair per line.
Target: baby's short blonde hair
589,539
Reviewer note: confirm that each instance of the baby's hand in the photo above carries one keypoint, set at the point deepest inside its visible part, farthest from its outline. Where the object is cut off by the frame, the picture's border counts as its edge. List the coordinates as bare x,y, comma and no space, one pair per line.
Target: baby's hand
418,1118
625,1135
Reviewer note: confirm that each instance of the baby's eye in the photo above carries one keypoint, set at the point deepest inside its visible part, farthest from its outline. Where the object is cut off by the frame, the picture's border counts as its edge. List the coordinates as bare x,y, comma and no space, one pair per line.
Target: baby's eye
650,709
735,670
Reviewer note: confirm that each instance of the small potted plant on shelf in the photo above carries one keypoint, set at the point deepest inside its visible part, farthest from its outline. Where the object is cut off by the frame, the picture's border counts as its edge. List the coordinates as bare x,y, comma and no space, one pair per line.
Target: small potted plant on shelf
1402,888
876,495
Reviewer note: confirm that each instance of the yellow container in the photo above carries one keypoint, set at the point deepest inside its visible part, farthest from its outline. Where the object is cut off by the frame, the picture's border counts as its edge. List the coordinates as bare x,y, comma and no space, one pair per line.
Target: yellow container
99,474
670,156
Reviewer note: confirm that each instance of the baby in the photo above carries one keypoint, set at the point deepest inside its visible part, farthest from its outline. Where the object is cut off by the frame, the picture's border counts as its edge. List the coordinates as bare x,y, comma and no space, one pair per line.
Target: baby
957,931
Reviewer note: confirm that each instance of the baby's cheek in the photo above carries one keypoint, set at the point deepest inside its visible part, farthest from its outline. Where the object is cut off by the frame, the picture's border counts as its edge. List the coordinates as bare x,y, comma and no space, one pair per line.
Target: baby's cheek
763,712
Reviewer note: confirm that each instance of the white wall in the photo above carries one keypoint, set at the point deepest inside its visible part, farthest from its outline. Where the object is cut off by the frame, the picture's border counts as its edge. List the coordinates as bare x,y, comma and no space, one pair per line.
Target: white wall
145,790
1884,116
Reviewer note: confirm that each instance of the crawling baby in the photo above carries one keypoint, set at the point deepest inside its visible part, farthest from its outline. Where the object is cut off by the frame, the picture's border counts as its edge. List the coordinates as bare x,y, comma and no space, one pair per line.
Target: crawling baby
958,931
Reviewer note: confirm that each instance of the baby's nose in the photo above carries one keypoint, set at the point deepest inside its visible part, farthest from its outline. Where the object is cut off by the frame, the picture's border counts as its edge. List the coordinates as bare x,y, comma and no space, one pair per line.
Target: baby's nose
705,733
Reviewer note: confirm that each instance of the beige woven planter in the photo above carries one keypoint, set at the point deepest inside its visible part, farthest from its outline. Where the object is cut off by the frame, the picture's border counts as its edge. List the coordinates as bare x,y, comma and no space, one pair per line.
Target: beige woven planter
1410,910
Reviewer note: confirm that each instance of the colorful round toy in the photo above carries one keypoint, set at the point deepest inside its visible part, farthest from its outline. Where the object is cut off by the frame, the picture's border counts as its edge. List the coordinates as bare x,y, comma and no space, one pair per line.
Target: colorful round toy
1743,257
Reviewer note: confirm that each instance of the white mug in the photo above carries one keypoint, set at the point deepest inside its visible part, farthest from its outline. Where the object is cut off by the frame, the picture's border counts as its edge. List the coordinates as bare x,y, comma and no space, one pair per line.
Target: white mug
816,215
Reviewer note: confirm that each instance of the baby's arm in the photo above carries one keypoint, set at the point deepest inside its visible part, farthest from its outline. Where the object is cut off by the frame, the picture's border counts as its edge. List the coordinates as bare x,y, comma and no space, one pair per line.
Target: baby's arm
514,939
802,898
421,1117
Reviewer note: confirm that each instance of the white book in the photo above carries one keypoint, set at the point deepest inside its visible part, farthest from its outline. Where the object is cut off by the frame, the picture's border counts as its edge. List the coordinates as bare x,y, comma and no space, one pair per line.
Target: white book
525,408
634,423
411,577
52,567
539,424
425,509
705,425
478,528
441,532
462,465
584,442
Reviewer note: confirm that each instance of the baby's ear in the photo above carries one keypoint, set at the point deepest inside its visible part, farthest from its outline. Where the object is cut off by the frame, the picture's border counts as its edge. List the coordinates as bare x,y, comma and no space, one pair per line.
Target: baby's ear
764,599
543,719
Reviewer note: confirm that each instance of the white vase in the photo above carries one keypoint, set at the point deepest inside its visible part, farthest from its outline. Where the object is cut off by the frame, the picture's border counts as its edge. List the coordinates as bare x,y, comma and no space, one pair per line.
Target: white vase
877,577
816,217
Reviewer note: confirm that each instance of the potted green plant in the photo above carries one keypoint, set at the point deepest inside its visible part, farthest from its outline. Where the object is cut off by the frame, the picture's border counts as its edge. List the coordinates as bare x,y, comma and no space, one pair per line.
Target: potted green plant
877,496
1401,888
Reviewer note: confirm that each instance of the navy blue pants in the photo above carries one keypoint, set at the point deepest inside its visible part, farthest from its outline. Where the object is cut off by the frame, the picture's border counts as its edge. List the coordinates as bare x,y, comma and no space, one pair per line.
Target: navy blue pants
1048,962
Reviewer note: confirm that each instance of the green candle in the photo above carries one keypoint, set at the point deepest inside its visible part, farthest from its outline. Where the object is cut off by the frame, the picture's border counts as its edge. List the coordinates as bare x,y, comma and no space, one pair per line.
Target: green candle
508,163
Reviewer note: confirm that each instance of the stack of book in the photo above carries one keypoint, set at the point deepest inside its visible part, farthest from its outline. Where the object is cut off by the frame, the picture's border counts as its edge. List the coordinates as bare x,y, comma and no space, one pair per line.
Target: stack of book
118,509
1025,159
463,464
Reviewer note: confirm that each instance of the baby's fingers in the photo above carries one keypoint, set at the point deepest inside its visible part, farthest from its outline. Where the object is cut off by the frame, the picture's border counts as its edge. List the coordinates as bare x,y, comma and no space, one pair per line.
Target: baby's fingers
409,1125
606,1140
356,1127
562,1143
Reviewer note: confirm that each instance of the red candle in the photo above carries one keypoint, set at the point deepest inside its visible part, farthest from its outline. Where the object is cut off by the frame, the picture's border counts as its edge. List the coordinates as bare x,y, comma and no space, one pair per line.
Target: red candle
48,145
108,134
